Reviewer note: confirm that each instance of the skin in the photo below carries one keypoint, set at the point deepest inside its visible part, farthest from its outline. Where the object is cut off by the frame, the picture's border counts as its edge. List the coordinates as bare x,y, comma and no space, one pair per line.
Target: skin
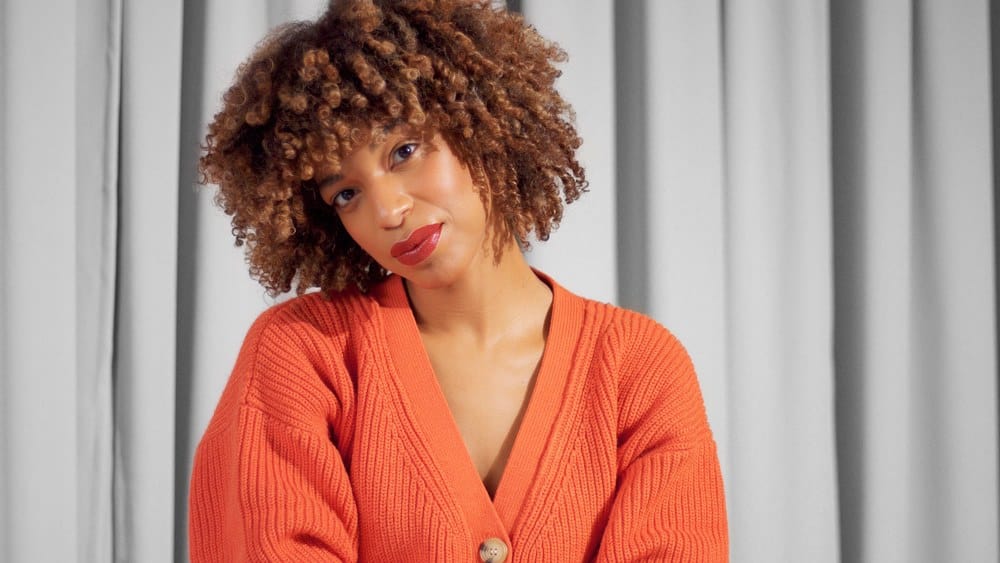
483,321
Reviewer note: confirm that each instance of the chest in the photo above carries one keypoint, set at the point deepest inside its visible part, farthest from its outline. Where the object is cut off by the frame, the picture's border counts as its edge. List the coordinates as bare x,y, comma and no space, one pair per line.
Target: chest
487,392
435,460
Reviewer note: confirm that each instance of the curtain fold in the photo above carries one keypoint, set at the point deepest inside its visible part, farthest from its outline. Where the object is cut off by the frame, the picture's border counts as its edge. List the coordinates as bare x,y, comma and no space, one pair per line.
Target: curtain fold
57,141
781,489
916,336
145,317
6,465
873,152
98,83
955,343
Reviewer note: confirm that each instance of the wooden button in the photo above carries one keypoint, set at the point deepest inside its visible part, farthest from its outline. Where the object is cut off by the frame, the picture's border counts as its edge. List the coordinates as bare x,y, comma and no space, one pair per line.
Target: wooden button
493,550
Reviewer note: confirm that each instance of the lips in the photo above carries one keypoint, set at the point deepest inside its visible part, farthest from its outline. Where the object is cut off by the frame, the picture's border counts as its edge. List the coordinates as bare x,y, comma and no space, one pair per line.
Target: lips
418,246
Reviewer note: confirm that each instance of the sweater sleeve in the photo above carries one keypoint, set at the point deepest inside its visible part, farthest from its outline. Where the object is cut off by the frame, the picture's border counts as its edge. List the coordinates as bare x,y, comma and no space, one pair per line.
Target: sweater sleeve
669,504
269,483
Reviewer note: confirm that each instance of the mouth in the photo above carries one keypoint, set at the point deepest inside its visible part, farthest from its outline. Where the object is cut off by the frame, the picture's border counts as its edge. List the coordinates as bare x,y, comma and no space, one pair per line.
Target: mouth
415,248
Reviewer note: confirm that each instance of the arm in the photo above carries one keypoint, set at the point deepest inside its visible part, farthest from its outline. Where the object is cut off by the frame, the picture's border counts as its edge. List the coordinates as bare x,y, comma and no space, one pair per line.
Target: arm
669,505
269,484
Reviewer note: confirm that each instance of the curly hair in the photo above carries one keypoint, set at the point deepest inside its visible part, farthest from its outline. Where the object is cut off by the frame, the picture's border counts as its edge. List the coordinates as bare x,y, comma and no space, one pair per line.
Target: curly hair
479,76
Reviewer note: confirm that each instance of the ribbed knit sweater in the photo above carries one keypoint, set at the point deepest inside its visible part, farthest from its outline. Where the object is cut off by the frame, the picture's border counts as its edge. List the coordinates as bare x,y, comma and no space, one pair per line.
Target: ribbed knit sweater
334,442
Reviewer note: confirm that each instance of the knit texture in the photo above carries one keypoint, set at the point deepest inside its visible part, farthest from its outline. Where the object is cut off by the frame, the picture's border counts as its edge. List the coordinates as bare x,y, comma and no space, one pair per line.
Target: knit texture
333,442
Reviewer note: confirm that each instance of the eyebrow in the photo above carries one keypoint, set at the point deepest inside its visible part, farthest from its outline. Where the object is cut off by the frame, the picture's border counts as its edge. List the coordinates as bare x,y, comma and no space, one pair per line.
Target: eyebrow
387,129
330,180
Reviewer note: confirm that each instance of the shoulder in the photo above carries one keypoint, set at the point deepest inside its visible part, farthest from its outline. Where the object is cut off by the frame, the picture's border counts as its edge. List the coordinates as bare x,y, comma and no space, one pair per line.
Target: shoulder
627,335
311,324
652,374
308,331
323,313
292,364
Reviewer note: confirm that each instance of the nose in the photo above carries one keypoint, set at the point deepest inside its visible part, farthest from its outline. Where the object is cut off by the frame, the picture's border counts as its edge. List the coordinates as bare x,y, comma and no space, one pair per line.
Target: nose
391,202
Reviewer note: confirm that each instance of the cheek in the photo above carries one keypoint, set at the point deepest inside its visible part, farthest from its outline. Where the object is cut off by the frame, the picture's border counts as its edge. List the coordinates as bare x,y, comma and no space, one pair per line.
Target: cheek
356,230
455,186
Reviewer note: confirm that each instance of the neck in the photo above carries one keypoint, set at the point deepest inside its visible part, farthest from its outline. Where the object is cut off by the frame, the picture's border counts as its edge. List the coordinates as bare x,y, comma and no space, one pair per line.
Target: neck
486,303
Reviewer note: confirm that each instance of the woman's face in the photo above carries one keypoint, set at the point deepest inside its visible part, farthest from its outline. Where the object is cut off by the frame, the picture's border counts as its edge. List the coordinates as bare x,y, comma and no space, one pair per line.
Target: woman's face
412,206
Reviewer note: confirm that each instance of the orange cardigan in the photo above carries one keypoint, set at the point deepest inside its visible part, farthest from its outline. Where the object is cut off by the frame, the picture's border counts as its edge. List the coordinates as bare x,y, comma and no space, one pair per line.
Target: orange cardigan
333,442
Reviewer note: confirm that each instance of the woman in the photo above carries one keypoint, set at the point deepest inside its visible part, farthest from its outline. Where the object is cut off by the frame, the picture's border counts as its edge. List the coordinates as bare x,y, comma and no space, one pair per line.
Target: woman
463,407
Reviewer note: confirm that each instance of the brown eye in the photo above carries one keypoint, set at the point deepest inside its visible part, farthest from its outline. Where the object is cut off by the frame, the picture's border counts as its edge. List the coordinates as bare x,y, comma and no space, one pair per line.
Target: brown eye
403,152
342,198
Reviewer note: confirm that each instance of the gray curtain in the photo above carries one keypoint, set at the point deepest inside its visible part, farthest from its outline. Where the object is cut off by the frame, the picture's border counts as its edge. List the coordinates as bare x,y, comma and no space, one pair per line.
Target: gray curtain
803,191
59,128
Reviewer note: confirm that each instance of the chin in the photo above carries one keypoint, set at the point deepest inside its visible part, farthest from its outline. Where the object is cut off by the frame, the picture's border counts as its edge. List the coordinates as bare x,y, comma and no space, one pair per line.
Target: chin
435,274
428,280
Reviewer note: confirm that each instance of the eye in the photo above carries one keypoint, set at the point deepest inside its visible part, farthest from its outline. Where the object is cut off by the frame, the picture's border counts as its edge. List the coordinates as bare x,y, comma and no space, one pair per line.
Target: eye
342,198
403,152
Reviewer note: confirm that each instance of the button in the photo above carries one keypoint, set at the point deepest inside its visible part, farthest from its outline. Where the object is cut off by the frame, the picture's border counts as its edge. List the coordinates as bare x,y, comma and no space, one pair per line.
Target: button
493,550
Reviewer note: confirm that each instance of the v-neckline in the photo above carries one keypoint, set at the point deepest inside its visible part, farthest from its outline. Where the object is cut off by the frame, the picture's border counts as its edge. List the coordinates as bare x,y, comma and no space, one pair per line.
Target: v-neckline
435,418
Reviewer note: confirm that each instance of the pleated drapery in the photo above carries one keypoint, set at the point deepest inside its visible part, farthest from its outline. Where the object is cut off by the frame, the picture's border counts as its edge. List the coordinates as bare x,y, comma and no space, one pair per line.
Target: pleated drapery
59,122
779,279
802,191
915,261
146,316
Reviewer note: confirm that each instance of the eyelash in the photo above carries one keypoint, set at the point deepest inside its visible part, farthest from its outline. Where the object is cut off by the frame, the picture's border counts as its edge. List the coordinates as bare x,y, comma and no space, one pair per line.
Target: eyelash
408,144
336,202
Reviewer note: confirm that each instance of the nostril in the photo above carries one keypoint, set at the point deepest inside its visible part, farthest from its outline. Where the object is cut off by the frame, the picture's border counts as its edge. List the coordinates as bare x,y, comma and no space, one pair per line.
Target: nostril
392,214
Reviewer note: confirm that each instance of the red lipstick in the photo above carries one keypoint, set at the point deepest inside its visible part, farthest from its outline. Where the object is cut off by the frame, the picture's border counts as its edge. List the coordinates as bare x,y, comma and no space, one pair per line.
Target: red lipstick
415,248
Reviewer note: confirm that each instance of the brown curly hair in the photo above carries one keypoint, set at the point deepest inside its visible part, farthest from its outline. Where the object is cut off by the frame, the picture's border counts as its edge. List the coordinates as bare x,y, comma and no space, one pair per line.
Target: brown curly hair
477,75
